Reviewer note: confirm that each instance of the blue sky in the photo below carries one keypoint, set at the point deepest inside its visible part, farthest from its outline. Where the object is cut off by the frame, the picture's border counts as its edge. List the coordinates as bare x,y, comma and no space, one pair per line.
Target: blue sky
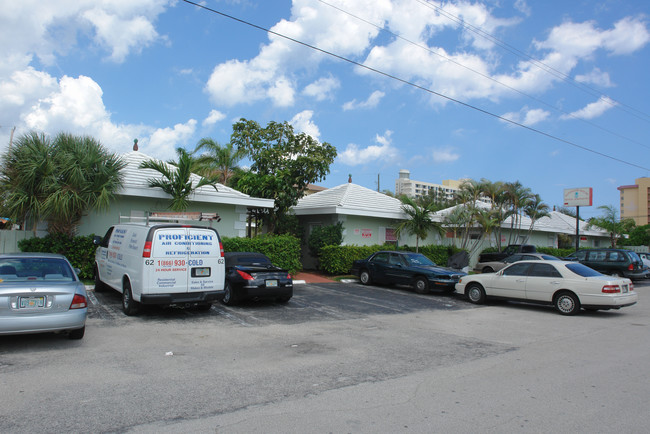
169,73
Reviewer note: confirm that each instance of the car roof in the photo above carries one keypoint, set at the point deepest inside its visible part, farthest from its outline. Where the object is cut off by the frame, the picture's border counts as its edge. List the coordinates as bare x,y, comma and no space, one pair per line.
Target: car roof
31,255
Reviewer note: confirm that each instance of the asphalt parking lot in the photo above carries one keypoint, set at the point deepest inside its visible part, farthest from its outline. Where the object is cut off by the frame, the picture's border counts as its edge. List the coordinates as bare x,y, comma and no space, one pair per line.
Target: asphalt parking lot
337,358
311,302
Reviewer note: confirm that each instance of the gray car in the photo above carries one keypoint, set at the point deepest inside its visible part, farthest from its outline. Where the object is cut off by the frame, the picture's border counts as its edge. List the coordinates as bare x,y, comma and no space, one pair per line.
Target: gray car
492,266
40,292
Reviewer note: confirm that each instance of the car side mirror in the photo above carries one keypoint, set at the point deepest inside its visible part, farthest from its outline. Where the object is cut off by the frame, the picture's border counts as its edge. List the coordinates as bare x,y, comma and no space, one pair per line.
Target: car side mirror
97,240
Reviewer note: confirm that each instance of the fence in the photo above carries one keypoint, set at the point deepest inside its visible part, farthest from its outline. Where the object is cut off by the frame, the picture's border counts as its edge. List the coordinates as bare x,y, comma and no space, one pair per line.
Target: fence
9,239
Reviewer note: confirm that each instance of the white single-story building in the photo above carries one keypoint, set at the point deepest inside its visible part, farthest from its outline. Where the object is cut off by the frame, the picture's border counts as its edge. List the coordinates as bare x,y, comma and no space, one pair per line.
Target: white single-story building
136,200
368,218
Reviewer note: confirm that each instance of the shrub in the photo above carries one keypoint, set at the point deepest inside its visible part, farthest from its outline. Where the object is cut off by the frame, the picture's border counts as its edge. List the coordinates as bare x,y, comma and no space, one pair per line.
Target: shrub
79,250
321,236
283,250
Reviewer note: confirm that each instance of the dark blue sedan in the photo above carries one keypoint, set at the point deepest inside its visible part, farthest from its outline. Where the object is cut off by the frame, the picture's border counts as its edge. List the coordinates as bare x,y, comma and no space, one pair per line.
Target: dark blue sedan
405,268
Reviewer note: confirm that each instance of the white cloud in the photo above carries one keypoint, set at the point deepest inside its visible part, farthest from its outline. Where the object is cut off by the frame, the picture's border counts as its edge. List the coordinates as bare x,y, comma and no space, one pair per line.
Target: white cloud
164,141
445,155
595,76
592,110
355,155
119,34
372,102
302,123
214,117
528,117
522,7
266,76
322,88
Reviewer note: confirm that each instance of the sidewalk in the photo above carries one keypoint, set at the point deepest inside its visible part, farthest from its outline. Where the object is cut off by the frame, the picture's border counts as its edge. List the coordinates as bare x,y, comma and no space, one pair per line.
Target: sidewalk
307,277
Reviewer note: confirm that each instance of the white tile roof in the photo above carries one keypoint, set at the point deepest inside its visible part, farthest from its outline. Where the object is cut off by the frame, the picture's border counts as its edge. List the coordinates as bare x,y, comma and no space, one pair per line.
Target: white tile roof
555,223
136,183
350,199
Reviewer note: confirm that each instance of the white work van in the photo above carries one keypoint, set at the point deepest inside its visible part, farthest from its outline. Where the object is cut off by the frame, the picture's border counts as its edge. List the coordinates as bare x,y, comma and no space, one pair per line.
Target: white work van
169,264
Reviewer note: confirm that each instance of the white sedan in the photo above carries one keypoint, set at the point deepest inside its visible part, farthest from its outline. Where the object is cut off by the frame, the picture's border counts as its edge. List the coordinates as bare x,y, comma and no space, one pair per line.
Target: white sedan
566,285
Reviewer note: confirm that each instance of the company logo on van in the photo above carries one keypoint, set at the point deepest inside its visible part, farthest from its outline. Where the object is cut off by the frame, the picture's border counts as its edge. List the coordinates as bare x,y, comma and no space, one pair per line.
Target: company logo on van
168,237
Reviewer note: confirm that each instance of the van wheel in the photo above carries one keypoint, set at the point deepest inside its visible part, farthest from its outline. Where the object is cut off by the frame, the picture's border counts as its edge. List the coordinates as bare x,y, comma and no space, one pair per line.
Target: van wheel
99,285
129,305
229,297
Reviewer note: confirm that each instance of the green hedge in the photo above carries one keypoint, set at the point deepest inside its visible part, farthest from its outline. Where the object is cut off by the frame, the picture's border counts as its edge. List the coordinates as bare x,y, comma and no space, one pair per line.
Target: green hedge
80,250
560,253
283,250
338,259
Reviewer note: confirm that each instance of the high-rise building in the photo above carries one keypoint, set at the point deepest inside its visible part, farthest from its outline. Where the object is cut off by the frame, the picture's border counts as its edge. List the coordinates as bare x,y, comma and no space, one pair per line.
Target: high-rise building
635,201
406,186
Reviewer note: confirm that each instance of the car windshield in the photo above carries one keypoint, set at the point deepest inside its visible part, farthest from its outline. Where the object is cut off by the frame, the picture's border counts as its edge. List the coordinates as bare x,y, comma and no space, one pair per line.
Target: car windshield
416,259
24,269
583,270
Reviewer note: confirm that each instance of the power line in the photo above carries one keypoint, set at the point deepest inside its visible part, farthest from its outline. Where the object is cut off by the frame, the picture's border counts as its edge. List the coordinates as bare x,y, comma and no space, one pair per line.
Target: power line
383,29
417,86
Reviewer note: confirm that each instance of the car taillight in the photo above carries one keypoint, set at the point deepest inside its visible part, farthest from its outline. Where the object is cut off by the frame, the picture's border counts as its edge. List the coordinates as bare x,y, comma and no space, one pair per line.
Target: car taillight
245,275
146,252
611,289
78,302
631,286
221,248
289,276
630,267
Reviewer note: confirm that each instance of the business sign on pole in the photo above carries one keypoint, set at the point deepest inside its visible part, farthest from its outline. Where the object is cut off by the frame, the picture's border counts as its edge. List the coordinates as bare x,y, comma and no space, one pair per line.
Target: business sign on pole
578,196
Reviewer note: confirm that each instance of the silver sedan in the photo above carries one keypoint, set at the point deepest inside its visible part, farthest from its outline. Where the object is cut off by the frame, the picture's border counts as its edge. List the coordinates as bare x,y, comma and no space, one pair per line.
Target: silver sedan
40,292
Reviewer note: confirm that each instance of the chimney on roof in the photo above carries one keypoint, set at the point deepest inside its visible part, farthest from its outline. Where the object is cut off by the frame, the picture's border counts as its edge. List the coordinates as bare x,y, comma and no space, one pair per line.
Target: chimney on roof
350,178
135,144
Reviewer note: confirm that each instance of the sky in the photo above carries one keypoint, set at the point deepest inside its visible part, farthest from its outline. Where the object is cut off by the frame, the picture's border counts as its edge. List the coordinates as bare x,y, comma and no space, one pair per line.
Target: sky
552,94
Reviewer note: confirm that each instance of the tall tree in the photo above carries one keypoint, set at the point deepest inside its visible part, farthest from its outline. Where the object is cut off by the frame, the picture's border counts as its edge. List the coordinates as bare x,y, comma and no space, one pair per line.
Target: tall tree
419,221
216,161
518,197
88,176
176,179
535,209
611,223
283,163
26,167
58,180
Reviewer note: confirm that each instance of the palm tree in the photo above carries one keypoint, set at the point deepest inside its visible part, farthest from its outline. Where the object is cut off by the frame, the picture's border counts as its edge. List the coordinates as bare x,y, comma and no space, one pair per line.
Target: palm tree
58,180
517,196
218,161
88,176
457,219
26,168
419,221
176,179
610,222
535,209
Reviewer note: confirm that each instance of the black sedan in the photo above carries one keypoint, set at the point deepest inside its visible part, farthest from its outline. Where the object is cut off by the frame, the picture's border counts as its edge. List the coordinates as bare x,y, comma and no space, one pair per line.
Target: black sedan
251,275
405,268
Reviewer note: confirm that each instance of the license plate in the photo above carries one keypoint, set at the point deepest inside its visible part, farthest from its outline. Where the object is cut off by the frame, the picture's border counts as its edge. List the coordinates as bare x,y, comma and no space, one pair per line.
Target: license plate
31,302
201,272
271,283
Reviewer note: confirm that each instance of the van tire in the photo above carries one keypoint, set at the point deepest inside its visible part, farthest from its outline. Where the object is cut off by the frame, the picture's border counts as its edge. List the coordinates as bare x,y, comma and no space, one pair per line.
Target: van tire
230,298
99,285
129,305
